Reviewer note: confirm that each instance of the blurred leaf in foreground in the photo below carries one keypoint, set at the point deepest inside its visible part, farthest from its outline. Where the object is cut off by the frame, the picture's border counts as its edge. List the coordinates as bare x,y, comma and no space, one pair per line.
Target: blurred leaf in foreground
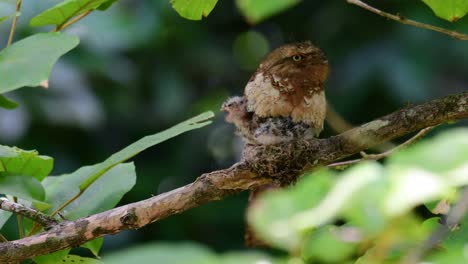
257,10
451,10
193,9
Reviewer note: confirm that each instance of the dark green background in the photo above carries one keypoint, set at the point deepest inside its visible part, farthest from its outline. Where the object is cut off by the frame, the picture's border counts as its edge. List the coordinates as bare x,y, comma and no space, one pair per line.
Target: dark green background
141,68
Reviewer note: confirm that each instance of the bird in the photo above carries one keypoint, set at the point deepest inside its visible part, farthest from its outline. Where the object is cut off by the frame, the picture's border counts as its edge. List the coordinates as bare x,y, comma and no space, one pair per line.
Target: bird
284,100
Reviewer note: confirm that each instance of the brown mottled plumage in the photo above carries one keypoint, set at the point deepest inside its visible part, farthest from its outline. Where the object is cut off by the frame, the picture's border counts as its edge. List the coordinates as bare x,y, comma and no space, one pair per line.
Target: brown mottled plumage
284,99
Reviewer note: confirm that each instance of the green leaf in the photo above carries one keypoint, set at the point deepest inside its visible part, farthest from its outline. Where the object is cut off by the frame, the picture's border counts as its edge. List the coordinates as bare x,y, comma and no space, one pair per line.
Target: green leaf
52,258
451,10
27,188
106,5
247,257
193,9
258,10
28,62
64,11
144,143
7,103
73,259
406,193
103,195
279,206
180,253
15,161
283,218
447,151
326,246
94,245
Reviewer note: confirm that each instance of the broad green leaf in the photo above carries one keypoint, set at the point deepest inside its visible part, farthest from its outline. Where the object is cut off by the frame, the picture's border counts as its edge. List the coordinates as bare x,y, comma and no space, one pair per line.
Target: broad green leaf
73,259
94,245
451,10
283,218
258,10
27,188
247,257
442,154
365,208
406,193
28,62
106,5
52,258
103,195
439,164
279,206
7,103
64,11
180,253
351,183
326,246
15,161
144,143
193,9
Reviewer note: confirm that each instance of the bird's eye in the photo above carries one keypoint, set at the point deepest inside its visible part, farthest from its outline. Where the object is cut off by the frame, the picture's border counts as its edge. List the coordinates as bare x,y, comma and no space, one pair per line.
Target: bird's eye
297,57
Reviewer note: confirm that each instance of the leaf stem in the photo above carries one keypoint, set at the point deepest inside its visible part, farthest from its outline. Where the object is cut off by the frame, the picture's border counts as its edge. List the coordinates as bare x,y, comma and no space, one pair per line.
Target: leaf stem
36,226
15,21
403,20
66,203
72,21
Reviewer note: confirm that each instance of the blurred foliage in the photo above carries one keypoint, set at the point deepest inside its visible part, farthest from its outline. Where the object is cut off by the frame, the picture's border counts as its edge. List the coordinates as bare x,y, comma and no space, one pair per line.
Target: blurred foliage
451,10
193,9
140,68
182,253
375,203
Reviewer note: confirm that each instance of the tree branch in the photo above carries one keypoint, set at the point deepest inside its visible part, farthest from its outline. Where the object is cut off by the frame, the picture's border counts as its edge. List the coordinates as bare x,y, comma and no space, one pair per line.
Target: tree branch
261,165
44,220
403,20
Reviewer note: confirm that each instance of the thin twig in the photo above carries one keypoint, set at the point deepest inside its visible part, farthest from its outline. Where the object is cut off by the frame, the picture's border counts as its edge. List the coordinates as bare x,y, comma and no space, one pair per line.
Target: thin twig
13,24
72,21
385,154
36,227
19,220
453,219
21,210
406,21
3,239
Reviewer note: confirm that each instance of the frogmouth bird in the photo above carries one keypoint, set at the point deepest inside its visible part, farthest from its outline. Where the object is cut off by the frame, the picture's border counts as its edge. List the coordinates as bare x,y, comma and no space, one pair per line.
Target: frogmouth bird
284,99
